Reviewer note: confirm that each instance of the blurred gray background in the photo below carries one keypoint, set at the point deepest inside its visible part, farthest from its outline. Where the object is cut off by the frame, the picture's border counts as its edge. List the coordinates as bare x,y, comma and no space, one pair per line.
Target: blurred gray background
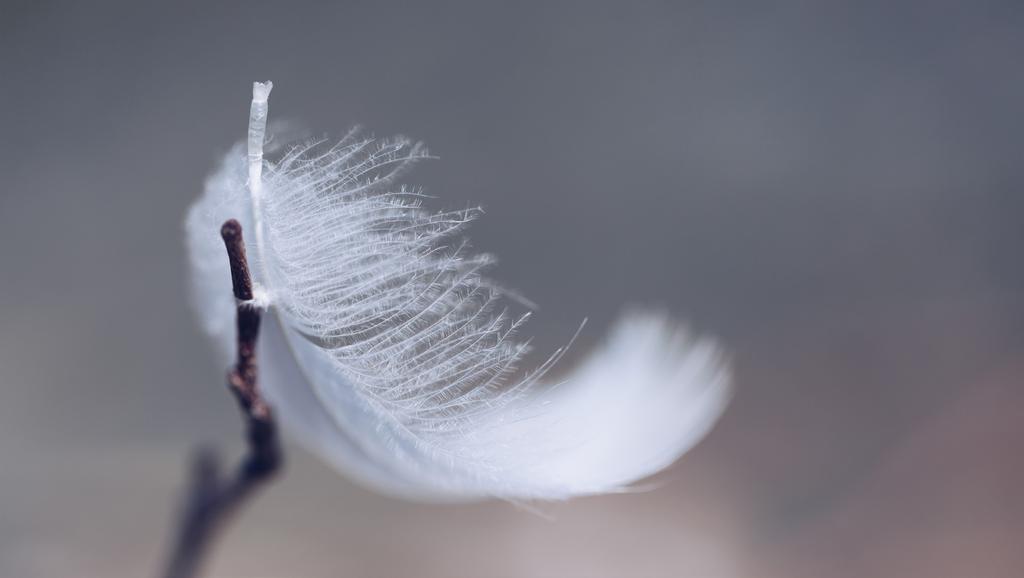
836,189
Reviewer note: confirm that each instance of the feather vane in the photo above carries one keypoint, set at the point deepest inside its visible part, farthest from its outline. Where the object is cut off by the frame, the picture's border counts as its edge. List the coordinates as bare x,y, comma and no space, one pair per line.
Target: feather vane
390,354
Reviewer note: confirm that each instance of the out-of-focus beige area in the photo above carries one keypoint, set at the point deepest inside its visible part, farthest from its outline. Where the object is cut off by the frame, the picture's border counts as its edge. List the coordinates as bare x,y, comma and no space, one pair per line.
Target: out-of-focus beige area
833,188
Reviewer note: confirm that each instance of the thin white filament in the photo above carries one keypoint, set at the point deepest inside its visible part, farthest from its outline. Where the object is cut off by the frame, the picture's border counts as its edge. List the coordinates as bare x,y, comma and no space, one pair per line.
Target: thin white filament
258,112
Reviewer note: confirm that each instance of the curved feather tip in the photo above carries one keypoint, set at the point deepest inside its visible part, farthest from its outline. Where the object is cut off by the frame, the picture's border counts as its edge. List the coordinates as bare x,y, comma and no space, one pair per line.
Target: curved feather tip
391,356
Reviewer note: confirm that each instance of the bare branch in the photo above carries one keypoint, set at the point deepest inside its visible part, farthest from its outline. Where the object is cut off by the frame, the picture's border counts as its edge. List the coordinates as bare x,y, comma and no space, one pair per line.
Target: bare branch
213,499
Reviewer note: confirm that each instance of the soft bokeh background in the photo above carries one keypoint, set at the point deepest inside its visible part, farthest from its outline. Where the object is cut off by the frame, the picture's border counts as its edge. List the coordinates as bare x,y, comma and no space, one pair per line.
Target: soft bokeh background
836,189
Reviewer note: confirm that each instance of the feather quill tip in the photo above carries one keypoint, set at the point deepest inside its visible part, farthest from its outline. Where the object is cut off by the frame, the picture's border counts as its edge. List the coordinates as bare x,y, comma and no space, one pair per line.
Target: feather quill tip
261,91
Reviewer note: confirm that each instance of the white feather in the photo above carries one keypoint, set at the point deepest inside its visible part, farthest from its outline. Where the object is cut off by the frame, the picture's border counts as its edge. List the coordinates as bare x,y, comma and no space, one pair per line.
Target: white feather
391,356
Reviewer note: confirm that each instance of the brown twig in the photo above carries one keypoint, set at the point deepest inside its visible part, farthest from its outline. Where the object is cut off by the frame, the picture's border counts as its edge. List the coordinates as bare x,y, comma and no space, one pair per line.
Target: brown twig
212,499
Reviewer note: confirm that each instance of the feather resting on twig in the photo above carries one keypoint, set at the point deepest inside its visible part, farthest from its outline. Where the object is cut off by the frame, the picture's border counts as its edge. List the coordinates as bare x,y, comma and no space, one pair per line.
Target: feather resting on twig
391,355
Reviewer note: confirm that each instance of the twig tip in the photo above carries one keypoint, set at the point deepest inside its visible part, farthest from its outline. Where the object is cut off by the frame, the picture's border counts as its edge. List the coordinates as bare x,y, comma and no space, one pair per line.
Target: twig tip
230,230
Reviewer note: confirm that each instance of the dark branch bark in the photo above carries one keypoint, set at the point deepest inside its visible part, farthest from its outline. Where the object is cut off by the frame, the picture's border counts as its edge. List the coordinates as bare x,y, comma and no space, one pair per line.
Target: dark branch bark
212,498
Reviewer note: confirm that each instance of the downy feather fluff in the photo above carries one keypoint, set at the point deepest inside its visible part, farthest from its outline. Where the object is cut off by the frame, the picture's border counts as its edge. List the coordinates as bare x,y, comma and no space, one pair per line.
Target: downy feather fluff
390,355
